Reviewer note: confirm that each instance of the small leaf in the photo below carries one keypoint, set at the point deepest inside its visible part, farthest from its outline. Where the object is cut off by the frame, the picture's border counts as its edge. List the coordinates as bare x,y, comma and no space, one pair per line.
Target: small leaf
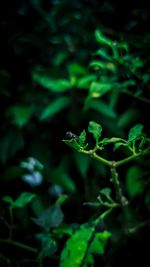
106,141
119,144
95,129
55,107
134,183
82,138
49,245
73,143
106,192
24,199
135,132
102,39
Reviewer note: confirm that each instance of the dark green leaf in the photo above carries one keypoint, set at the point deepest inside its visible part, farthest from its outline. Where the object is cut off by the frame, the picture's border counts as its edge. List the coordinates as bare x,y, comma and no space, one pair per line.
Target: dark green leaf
101,107
8,199
134,183
54,107
21,114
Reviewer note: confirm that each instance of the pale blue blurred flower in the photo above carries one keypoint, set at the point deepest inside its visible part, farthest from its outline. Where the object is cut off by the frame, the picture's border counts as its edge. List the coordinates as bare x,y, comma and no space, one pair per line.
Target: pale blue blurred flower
33,179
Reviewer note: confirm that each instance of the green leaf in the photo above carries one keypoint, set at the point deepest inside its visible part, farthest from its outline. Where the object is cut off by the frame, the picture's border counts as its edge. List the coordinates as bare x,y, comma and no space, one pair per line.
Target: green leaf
24,199
82,138
51,217
82,162
102,39
76,69
56,86
73,143
82,245
98,89
135,132
61,178
101,107
103,53
8,199
55,107
85,81
99,242
106,141
10,144
21,114
49,245
106,192
75,249
117,145
95,129
134,183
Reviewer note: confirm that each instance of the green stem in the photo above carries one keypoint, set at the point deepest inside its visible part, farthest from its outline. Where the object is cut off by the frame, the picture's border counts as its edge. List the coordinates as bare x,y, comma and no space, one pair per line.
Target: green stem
123,201
130,158
116,164
95,156
96,223
18,244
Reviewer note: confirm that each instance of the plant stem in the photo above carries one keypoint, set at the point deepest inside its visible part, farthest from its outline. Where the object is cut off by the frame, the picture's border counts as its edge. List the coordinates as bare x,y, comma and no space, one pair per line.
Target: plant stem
130,158
116,164
123,201
96,223
95,156
18,244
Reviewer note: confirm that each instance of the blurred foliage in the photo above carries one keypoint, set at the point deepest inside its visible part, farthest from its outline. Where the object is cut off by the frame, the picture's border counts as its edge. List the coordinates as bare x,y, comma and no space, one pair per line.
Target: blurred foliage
63,64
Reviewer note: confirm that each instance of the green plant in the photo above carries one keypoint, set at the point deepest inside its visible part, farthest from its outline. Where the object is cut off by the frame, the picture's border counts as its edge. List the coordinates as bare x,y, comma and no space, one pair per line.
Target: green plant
79,246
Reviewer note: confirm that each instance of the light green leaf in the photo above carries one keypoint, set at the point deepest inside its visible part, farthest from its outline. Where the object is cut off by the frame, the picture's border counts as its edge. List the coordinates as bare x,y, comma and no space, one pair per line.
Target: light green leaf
56,86
135,132
55,107
82,245
119,144
75,249
102,39
73,143
134,183
85,81
98,89
106,141
99,242
82,138
95,129
24,199
106,192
